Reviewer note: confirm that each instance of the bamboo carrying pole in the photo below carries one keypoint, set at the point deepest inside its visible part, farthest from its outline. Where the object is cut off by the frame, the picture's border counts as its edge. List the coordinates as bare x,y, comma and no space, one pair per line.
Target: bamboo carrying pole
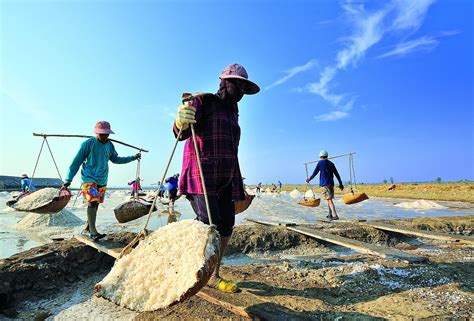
337,156
85,136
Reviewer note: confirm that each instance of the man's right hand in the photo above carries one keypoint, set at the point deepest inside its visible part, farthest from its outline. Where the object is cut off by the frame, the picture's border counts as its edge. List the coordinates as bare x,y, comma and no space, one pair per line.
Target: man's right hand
186,115
308,180
66,184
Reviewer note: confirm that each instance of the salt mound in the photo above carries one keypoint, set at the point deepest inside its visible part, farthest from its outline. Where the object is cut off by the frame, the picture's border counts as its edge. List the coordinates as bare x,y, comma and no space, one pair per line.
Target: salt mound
37,199
420,204
161,268
310,195
295,193
4,194
63,218
15,194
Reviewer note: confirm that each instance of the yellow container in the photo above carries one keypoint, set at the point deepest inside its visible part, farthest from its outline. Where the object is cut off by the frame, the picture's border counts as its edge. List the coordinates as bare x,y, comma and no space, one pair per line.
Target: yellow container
354,198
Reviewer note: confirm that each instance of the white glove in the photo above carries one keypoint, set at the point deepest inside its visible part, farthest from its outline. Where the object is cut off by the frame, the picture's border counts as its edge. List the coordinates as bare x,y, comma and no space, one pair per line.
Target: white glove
186,115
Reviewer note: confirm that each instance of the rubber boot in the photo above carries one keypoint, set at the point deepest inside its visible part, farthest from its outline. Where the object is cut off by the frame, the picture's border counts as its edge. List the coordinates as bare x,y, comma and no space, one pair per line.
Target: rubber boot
91,218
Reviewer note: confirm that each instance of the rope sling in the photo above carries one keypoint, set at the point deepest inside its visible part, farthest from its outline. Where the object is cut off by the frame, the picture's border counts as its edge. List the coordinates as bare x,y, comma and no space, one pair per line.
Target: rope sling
354,196
305,202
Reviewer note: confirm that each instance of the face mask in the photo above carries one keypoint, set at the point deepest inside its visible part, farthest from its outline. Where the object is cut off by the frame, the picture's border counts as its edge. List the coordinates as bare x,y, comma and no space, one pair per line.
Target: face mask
233,92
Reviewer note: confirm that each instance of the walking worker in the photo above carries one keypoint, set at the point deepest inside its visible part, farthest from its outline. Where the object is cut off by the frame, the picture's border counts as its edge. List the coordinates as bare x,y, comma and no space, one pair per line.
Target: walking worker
26,184
327,170
279,185
216,119
172,188
136,187
94,155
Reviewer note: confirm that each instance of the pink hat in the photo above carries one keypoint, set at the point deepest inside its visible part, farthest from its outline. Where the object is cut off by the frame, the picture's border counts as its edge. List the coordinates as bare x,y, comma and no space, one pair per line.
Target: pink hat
237,71
103,127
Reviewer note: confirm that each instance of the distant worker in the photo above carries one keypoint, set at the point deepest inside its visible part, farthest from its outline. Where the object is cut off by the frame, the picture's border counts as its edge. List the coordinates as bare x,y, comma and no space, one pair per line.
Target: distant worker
279,185
259,187
274,188
136,187
172,188
94,155
26,184
327,170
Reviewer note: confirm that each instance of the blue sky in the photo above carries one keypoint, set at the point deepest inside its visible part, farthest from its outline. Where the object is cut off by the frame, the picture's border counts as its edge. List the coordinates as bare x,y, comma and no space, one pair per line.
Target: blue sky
391,80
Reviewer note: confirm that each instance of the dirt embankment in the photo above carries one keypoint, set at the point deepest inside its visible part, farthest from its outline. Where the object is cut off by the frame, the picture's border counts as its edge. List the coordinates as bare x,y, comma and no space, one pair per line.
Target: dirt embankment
332,286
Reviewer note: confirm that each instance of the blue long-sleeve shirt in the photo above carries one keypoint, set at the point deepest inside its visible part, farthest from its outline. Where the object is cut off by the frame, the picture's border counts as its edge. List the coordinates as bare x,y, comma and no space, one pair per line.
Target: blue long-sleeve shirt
172,183
25,185
327,170
94,157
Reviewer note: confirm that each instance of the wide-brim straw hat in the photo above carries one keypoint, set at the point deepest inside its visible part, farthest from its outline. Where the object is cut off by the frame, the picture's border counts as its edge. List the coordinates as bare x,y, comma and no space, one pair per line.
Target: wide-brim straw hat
237,71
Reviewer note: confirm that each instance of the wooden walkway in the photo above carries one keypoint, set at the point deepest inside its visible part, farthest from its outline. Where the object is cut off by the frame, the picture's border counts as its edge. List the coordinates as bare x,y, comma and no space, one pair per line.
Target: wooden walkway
420,233
361,247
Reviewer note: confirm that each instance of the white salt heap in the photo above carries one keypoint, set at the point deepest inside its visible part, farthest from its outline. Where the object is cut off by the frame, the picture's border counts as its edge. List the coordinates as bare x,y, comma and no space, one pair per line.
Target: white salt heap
310,195
161,268
37,199
420,204
63,218
295,193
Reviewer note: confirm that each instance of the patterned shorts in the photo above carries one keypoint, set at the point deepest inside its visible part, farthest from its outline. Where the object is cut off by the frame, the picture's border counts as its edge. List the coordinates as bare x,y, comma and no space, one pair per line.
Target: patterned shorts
327,192
91,192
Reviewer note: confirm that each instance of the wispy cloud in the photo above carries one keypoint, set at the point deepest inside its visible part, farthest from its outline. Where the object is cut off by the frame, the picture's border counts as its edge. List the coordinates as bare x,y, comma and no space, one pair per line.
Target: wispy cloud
369,28
293,72
425,43
331,116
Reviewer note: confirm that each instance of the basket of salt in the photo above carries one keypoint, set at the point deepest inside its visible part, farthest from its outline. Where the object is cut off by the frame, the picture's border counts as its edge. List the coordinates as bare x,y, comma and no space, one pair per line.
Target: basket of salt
242,205
131,210
44,201
169,266
354,198
310,203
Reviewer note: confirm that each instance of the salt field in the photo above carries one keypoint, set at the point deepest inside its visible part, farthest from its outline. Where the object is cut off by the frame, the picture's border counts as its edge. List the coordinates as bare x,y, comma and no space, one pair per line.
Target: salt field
20,231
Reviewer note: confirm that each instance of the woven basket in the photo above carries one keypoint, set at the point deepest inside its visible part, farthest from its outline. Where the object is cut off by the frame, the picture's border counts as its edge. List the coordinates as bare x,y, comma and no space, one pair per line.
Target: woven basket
56,204
242,205
354,198
130,211
311,203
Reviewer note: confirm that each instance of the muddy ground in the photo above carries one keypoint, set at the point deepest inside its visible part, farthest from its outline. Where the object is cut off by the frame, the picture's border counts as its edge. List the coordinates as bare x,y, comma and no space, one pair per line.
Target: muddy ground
286,276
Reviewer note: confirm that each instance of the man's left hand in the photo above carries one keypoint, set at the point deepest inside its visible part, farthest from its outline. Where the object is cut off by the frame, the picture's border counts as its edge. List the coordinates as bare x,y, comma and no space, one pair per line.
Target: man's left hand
341,187
138,156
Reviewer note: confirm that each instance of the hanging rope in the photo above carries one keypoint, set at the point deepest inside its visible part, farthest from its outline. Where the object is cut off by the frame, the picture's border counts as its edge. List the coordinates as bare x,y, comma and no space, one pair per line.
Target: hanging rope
352,179
57,169
308,185
36,165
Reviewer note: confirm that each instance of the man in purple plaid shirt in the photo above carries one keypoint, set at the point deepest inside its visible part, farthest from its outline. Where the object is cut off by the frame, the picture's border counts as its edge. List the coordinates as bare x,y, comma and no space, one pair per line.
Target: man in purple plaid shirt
216,119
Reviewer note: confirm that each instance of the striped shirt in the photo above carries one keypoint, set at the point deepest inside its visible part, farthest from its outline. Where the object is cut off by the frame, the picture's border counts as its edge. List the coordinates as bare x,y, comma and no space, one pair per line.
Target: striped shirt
217,135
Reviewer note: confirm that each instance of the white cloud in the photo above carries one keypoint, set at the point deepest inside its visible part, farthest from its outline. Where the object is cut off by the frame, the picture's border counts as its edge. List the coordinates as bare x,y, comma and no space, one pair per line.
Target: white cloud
369,28
425,43
293,72
331,116
421,44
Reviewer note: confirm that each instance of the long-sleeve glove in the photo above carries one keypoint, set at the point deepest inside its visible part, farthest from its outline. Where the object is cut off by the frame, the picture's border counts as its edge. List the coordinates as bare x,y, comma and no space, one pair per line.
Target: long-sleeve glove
341,187
185,116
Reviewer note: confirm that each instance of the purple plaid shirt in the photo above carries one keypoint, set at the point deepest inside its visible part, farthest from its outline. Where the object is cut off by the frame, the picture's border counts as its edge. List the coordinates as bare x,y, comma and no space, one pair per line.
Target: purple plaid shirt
218,135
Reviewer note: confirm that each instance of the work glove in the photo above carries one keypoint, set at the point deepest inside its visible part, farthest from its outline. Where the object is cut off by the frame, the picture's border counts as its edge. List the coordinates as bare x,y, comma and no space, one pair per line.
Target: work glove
66,184
341,187
185,116
138,156
308,180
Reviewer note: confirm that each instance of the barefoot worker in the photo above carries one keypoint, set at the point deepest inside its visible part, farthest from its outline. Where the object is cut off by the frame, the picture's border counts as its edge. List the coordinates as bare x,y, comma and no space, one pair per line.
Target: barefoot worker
172,189
326,180
218,134
94,155
136,187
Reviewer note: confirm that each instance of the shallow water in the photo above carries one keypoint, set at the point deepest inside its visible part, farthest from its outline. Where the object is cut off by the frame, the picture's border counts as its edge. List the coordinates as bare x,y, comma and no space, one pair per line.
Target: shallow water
268,207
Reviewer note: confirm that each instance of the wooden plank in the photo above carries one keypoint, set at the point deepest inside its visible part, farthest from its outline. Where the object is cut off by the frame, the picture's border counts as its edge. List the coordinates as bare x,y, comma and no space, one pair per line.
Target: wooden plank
238,310
425,234
361,247
104,246
270,223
